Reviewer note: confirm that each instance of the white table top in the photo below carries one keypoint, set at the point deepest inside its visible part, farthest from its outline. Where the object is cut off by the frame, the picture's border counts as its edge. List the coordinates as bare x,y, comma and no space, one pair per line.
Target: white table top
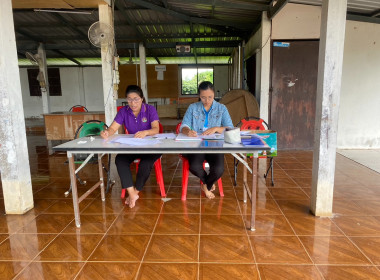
166,146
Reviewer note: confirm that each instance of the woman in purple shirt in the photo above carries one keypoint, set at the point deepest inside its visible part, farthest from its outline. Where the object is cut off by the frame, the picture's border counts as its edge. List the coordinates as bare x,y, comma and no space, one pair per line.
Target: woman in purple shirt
141,120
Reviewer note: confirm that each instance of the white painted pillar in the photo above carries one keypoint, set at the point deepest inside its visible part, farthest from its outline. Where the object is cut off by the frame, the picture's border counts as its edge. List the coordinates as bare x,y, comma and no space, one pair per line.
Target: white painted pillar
265,67
82,92
45,93
107,52
143,77
14,161
330,66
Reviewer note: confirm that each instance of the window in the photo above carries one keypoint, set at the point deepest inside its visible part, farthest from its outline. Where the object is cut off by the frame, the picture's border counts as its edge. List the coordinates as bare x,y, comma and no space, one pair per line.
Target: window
191,77
54,82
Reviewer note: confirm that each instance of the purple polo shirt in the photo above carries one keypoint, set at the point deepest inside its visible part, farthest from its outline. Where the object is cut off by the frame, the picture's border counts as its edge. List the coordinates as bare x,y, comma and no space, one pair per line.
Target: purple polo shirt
147,115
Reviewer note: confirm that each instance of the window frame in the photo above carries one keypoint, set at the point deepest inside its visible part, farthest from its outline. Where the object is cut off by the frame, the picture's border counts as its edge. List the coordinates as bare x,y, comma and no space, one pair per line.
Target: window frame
191,66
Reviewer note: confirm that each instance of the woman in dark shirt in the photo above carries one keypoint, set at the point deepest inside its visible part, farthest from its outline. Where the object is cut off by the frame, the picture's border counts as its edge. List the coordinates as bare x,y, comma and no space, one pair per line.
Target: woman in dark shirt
141,120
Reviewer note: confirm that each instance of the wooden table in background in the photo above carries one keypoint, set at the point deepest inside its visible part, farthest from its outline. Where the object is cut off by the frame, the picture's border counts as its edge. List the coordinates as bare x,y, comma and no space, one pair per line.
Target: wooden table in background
63,125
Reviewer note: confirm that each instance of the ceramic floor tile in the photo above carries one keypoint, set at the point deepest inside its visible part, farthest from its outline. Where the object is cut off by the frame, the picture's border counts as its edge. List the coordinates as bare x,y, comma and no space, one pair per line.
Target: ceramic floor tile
50,270
298,173
333,250
369,246
302,182
65,206
269,225
359,225
225,248
169,271
219,207
48,223
109,206
24,246
263,207
134,224
349,272
107,270
279,249
144,206
346,207
121,248
311,225
228,271
222,224
9,269
369,207
70,247
173,248
91,224
295,206
289,272
178,224
192,193
14,223
191,206
288,193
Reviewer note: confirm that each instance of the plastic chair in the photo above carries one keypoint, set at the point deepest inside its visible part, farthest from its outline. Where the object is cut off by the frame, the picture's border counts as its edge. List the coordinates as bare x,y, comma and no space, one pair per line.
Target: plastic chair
157,168
253,123
86,129
185,172
78,108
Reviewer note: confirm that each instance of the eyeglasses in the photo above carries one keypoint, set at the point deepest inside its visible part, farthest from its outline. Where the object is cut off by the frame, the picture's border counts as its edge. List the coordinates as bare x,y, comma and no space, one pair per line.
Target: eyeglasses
134,100
204,98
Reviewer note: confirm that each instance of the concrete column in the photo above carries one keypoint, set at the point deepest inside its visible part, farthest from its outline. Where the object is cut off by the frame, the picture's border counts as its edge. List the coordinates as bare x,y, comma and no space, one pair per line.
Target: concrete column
143,78
44,87
107,53
82,92
330,66
14,161
265,66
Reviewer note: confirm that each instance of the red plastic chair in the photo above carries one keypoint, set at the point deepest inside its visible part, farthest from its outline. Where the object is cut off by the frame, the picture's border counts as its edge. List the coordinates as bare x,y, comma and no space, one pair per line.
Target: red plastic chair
157,168
185,172
78,108
253,123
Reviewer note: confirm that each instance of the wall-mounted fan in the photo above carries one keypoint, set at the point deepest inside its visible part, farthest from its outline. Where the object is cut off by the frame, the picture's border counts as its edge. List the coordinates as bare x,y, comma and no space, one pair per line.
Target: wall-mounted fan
100,34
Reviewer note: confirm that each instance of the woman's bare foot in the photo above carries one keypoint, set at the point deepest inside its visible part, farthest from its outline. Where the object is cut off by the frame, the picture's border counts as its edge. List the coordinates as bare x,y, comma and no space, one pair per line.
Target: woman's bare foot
208,193
133,196
213,188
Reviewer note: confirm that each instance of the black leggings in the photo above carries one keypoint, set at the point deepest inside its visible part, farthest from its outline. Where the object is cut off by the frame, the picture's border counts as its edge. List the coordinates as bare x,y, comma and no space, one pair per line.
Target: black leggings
216,162
123,162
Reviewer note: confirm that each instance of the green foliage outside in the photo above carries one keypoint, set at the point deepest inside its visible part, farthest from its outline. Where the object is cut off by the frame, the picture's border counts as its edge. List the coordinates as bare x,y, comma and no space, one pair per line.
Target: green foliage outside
190,85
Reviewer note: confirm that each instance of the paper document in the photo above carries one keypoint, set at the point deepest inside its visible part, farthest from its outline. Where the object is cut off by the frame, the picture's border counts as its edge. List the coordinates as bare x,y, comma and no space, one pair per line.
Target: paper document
183,137
215,136
136,141
165,136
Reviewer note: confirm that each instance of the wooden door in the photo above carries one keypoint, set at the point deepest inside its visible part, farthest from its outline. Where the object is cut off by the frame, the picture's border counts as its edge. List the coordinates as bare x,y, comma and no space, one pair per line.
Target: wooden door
293,93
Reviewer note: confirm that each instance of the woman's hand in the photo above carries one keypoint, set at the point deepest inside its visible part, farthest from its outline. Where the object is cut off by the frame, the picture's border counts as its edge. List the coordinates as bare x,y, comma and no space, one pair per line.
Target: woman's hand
104,134
141,134
211,130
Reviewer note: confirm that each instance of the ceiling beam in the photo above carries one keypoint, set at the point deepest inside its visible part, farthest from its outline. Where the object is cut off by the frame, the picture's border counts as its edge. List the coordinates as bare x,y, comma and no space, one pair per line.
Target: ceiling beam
273,10
355,17
157,59
186,17
197,44
68,57
69,25
224,4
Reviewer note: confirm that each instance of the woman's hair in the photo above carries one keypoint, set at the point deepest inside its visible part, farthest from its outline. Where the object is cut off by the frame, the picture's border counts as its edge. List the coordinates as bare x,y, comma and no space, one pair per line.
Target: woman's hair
135,89
205,86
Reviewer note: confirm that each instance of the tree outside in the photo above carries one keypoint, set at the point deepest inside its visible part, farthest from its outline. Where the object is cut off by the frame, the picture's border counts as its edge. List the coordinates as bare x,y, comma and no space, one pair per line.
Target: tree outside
191,78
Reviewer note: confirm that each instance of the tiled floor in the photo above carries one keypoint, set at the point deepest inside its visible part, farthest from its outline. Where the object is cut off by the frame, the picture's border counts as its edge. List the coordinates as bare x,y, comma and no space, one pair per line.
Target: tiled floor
197,238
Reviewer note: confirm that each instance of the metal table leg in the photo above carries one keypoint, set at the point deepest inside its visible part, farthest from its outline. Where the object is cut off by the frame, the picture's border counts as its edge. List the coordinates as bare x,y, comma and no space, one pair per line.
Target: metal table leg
74,188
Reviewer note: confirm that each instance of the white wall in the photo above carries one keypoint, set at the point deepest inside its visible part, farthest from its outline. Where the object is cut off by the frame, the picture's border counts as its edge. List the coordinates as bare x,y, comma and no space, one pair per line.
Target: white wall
359,112
72,89
296,21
